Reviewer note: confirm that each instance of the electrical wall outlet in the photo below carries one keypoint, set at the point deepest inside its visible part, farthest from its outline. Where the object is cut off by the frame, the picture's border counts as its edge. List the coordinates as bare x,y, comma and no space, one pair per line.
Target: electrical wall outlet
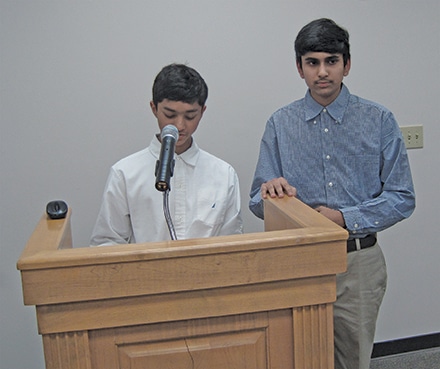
413,136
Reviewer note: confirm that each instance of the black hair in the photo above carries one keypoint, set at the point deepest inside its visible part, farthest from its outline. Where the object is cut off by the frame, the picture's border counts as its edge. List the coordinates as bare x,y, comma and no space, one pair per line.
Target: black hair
178,82
322,35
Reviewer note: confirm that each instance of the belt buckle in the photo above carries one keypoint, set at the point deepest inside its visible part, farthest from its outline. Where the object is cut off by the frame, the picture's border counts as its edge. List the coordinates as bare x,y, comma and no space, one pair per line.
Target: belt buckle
357,241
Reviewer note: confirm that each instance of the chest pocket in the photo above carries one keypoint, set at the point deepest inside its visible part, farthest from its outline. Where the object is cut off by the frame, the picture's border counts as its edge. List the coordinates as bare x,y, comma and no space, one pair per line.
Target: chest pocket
210,206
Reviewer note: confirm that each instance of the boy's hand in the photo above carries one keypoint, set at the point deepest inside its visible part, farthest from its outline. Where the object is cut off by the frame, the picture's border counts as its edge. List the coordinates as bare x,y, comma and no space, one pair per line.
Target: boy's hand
277,187
332,214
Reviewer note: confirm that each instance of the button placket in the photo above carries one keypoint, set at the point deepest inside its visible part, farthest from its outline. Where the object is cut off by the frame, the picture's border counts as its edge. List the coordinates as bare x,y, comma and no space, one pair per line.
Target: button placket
179,197
328,169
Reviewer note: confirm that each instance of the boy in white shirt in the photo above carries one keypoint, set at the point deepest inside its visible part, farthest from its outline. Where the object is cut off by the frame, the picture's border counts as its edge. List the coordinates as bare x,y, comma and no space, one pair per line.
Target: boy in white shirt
205,195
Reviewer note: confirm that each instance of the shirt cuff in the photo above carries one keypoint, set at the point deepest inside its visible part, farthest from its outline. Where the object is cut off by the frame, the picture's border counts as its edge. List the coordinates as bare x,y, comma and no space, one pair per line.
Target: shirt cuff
353,220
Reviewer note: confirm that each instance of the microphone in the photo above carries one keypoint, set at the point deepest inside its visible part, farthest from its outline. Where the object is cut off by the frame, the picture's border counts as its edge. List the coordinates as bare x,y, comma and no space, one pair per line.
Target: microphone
165,164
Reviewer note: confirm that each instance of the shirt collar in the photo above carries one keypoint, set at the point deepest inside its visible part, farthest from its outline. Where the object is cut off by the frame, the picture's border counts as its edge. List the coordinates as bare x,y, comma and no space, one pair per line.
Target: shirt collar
190,156
336,109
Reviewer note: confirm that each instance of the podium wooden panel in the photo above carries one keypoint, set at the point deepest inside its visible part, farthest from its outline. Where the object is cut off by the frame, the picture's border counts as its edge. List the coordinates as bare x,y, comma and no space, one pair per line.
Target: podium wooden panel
251,301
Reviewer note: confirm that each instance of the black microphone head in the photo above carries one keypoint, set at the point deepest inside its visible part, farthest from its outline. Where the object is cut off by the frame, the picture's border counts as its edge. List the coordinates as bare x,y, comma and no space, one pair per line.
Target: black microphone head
165,164
170,130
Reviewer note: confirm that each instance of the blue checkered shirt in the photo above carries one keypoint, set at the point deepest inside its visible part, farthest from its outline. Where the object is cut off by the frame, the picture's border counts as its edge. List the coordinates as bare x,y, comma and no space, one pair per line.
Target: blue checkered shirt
348,156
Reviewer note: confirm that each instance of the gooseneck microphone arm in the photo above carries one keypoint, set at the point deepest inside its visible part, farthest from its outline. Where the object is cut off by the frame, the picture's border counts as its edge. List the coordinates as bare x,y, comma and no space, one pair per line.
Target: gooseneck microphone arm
166,211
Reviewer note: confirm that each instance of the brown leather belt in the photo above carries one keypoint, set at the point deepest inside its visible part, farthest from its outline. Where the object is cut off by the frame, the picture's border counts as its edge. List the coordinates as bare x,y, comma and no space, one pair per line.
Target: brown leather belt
365,242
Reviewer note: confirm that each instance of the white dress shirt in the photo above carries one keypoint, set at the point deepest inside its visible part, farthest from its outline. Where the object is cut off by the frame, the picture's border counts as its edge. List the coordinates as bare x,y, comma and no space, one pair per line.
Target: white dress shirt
204,199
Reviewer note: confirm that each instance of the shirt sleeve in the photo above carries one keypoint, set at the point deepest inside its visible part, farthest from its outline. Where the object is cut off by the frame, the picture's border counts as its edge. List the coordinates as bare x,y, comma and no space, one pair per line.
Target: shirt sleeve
396,201
113,224
268,167
233,223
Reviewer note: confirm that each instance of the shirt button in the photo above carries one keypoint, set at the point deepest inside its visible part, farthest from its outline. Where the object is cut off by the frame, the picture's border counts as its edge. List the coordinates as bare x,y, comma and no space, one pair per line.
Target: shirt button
327,157
330,184
324,110
326,130
356,225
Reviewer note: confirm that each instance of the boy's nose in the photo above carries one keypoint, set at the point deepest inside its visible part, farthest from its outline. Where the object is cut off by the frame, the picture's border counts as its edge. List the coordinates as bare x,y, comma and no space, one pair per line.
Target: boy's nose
322,70
179,122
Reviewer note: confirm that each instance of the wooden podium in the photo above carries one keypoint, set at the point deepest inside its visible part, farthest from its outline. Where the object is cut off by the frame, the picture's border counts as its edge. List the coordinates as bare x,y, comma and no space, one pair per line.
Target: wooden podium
251,301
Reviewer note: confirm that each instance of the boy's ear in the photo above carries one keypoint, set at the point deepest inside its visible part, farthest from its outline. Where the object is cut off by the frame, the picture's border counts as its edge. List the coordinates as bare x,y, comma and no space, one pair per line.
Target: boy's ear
347,68
300,70
153,108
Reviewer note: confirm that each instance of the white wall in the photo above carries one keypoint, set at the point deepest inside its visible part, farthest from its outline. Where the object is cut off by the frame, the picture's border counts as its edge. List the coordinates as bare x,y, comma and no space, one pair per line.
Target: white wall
75,85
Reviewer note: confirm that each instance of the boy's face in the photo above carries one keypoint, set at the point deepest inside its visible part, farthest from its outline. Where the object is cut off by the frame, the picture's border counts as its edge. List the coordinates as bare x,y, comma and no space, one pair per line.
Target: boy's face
323,74
185,117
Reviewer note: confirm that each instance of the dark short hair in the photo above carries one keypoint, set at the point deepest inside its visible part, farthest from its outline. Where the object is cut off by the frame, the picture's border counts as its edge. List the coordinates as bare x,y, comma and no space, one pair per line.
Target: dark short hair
178,82
322,35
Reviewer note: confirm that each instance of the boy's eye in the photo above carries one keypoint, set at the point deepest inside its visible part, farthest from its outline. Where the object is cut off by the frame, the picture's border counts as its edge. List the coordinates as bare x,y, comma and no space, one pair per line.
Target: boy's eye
333,61
172,116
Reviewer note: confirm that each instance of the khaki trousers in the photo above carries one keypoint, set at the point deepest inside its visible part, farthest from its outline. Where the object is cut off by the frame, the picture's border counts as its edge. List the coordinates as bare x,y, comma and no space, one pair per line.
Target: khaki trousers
359,294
